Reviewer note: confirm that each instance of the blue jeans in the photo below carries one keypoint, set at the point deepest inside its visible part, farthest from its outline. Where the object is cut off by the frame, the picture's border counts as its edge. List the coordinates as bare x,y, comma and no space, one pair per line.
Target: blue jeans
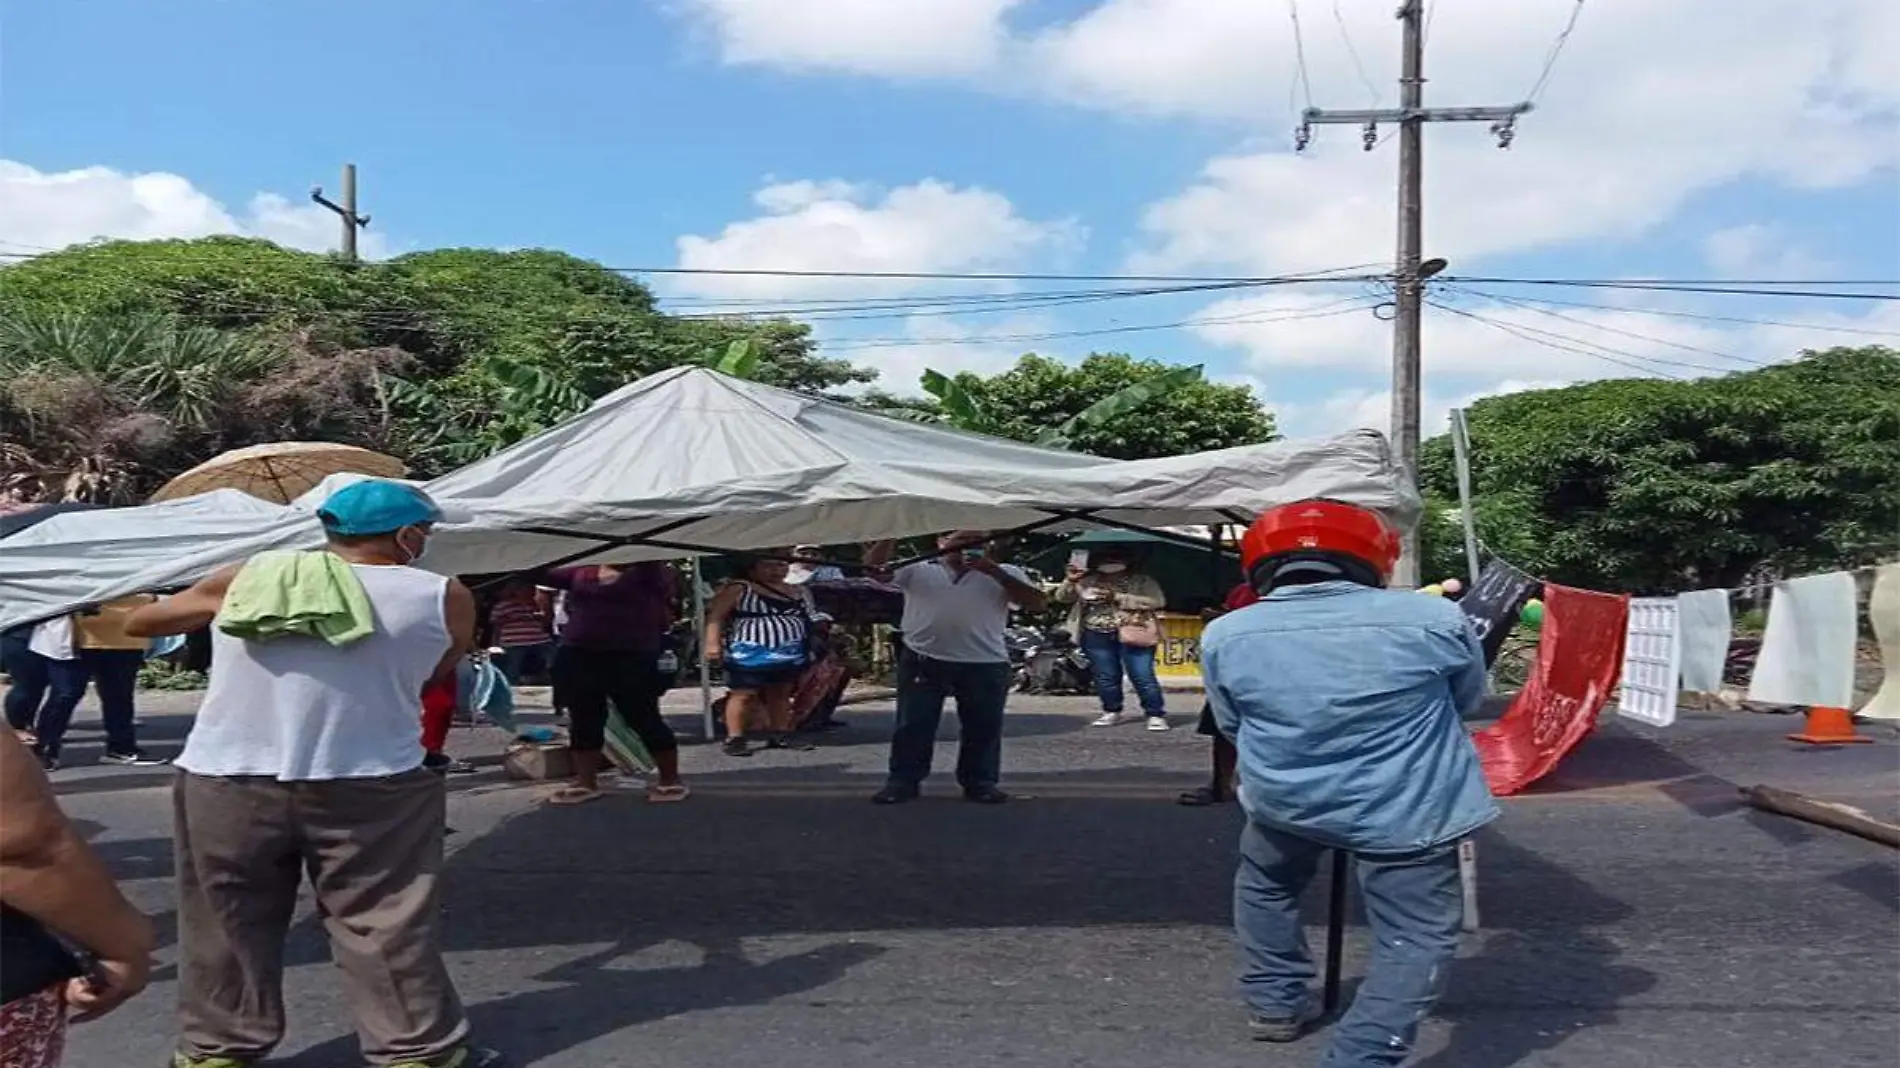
518,660
31,677
1109,658
980,690
1413,907
115,674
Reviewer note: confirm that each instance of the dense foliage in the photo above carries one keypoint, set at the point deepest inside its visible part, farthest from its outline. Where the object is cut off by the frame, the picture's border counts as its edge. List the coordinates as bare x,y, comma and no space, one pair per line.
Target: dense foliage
1109,404
1655,486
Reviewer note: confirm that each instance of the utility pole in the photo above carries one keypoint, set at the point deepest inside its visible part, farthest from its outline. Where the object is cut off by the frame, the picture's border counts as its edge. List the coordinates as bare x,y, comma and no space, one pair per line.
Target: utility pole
346,211
1409,274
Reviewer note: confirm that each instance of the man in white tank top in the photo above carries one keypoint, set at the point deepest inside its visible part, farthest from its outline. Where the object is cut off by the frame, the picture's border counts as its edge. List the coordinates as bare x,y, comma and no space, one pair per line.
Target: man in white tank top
308,756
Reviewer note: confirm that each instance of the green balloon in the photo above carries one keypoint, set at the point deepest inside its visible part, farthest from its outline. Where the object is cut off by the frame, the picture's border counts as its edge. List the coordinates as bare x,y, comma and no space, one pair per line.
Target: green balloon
1533,613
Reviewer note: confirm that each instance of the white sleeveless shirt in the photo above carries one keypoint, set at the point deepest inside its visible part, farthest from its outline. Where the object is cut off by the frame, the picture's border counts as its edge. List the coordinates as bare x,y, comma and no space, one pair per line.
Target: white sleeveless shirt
299,709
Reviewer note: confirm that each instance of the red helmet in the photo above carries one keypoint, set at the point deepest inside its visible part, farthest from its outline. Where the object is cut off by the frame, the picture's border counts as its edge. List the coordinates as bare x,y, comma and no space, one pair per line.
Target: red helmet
1317,529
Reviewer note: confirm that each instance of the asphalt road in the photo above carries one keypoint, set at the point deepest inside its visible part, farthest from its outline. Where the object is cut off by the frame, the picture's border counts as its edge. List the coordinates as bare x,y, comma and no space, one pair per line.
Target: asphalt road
1634,915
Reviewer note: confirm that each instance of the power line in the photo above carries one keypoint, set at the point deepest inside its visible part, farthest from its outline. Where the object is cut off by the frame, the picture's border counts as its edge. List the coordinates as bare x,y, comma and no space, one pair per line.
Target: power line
1717,288
1344,307
1581,346
1353,52
1720,286
1556,49
1299,52
1675,314
1606,328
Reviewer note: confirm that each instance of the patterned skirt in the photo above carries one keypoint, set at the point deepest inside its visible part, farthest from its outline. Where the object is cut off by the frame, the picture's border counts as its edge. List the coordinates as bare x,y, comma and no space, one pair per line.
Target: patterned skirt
33,1029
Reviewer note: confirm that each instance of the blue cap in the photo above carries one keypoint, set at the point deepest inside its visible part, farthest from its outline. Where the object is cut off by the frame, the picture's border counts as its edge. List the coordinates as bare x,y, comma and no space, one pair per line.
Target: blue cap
375,506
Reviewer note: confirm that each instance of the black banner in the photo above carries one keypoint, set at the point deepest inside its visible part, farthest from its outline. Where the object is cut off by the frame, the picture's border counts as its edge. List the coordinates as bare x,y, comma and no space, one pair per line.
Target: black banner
1493,604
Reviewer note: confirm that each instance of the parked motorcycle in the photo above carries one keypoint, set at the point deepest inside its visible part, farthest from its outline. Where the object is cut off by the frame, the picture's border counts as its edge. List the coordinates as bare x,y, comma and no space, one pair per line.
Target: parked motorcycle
1055,665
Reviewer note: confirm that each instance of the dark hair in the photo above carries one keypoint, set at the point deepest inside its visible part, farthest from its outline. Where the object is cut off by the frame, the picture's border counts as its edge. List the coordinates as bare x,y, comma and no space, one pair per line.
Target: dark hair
1282,569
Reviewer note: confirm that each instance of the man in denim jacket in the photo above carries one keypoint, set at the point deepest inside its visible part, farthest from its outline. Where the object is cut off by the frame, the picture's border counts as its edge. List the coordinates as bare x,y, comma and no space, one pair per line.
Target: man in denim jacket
1344,700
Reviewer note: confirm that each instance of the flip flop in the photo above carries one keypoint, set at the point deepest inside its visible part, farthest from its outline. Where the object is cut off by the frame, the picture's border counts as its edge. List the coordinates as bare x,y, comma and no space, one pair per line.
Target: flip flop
668,795
574,795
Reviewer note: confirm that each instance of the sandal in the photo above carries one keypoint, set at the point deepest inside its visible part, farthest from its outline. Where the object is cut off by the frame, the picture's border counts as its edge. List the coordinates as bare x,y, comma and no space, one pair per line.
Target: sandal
1201,797
790,744
668,795
574,795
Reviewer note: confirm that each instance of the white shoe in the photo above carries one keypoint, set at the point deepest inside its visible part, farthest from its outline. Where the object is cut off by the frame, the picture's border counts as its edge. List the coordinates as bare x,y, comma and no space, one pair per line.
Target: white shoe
1157,723
1110,719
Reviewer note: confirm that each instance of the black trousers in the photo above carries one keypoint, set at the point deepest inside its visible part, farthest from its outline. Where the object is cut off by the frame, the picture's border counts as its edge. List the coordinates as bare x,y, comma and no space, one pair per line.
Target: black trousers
592,679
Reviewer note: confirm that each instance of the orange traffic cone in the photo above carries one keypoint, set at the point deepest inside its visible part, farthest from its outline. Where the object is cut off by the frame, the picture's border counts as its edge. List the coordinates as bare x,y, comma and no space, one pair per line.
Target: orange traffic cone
1829,726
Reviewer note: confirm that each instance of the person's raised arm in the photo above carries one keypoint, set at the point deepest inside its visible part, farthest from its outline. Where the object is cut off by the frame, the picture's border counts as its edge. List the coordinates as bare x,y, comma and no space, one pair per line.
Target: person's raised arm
47,872
717,612
183,612
877,555
1021,592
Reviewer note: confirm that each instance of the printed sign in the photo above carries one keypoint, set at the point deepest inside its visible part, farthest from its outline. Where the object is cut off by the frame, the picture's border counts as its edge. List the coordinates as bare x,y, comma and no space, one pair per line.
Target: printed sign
1493,602
1652,662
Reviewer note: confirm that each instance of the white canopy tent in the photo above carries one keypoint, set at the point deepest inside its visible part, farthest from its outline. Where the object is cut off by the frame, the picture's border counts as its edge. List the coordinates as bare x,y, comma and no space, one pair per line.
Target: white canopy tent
691,462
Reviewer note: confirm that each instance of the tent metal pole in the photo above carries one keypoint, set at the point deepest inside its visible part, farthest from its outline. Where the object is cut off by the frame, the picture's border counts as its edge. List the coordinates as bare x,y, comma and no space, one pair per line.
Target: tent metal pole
606,541
1155,532
699,642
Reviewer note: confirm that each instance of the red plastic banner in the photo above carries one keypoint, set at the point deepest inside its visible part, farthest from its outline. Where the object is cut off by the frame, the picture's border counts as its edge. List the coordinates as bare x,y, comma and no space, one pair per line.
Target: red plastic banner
1579,659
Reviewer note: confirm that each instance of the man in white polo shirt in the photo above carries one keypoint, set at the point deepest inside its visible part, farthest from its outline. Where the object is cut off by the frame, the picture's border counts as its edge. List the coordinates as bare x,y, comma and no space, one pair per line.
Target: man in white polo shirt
956,608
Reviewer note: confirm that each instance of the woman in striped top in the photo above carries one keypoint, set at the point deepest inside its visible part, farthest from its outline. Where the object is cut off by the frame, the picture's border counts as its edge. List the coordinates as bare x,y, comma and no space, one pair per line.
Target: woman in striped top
760,627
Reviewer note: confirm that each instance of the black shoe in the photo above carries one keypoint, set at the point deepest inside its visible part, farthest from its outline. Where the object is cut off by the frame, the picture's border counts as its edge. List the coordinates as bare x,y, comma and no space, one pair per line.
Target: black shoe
986,795
133,759
894,795
790,743
736,747
1282,1028
48,763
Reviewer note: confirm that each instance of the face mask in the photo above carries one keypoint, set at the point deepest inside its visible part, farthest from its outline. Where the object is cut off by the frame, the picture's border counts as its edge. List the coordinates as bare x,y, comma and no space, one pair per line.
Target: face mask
1112,569
415,554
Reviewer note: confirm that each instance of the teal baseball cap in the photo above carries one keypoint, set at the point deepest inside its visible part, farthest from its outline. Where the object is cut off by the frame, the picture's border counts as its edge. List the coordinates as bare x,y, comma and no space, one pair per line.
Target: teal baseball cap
376,506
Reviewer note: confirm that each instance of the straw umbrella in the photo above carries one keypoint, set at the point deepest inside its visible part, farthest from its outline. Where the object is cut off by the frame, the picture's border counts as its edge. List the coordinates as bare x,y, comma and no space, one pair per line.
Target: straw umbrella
281,471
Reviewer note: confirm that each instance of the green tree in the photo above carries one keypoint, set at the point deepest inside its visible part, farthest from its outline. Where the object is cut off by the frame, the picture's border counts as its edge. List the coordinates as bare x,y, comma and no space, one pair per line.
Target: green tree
1110,404
105,409
1652,486
489,347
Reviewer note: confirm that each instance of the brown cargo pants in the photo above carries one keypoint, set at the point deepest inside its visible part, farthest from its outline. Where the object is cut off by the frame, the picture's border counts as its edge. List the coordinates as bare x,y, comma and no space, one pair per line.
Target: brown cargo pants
373,851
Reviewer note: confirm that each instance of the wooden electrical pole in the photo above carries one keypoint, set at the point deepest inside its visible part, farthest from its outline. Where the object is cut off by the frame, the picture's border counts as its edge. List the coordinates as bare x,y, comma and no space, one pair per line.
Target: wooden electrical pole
1409,272
346,211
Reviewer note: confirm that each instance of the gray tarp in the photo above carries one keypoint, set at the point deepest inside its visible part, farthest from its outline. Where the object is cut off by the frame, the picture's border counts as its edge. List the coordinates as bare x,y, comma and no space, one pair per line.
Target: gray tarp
712,463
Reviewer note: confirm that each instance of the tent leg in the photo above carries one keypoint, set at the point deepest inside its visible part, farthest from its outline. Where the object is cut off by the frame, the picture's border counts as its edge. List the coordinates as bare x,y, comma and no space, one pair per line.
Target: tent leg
705,668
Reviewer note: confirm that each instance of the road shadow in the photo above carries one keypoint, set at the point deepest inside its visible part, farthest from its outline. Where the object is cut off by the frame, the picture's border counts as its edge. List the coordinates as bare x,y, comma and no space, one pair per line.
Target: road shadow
1547,967
589,998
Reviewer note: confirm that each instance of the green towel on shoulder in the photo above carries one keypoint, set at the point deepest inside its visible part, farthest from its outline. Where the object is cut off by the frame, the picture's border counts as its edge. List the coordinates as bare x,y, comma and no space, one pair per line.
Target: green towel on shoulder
314,594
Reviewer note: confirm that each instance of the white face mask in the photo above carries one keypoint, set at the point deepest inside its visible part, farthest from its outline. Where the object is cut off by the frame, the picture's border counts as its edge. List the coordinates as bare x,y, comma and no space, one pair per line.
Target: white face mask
1112,569
416,554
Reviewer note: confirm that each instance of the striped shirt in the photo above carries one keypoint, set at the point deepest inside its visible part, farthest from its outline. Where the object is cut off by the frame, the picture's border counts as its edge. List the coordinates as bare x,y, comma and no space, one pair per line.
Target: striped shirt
518,623
768,620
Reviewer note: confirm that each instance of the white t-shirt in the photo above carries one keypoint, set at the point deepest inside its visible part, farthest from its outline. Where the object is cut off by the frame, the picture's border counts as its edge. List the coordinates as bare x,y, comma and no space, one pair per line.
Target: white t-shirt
298,709
956,618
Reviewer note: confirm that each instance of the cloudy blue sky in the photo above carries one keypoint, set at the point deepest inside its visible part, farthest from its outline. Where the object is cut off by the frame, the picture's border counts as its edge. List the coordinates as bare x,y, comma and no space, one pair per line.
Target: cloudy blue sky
1705,139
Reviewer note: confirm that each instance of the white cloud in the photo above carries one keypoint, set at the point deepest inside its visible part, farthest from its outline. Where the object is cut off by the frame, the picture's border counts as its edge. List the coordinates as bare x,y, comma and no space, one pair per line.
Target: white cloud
898,38
1761,250
949,345
49,210
1514,348
1633,123
930,226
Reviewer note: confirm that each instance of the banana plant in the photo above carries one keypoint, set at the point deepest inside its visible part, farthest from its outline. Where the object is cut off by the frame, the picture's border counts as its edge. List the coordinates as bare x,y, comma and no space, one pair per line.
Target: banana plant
740,360
1120,403
960,408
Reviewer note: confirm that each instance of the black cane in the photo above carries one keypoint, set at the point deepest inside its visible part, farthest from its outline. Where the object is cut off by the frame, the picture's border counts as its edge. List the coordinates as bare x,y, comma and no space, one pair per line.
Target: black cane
1335,929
